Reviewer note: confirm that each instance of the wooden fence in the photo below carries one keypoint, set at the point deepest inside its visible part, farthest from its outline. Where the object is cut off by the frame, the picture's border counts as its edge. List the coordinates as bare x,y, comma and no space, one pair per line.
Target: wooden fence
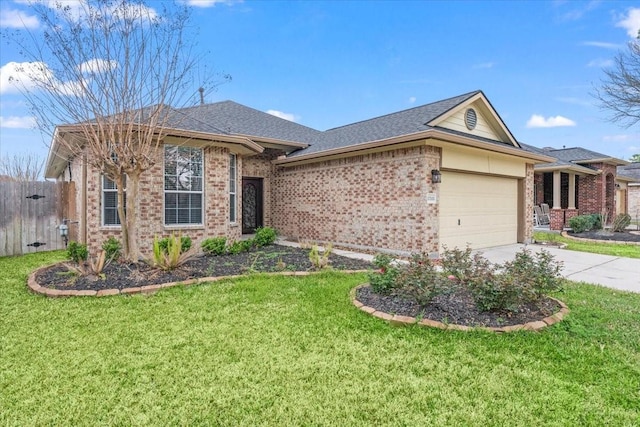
30,213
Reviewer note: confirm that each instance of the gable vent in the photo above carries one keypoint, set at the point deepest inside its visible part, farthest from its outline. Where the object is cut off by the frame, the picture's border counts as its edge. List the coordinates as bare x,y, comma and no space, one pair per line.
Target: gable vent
470,118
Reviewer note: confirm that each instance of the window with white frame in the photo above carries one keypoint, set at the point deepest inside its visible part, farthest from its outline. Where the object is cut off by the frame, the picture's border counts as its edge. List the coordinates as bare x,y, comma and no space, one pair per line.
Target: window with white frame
232,187
109,202
182,185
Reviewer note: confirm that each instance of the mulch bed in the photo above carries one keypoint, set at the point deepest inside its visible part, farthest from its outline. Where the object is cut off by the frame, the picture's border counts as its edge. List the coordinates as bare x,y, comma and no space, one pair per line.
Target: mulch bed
122,275
456,307
625,236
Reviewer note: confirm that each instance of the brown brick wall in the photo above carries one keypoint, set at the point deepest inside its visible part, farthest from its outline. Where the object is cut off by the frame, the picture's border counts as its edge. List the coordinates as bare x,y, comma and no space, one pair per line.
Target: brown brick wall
260,166
375,200
150,204
592,191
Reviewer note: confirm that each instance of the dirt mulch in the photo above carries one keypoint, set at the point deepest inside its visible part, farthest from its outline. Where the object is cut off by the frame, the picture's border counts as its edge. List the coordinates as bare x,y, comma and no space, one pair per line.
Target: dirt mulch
456,307
122,275
626,236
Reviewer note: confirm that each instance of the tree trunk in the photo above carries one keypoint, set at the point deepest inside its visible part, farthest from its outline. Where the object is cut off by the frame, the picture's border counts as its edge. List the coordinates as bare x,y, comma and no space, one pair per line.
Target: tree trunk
120,184
133,183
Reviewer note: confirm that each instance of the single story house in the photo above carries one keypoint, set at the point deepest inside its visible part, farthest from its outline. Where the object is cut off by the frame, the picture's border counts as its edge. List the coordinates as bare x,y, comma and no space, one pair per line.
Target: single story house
578,182
631,172
449,173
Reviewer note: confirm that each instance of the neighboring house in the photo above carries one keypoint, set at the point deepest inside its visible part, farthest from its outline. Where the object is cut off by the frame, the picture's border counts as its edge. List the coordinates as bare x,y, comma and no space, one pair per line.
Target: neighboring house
578,182
227,169
632,173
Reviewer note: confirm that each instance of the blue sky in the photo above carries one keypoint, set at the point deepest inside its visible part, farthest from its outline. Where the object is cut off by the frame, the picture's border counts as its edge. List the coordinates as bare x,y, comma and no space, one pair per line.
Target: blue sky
327,64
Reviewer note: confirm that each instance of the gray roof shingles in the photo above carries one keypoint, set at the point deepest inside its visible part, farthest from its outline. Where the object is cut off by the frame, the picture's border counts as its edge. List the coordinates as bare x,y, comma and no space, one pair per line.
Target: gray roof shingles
231,118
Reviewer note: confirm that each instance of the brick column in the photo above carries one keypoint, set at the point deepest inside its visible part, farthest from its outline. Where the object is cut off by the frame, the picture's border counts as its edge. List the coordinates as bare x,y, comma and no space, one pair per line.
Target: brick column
570,213
557,219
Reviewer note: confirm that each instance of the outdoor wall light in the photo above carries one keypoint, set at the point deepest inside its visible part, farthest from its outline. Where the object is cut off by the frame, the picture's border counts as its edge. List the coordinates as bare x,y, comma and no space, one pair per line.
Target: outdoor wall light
436,176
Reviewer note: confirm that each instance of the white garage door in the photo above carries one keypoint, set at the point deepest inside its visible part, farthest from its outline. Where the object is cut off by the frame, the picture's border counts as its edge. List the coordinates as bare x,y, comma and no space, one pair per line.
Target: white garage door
478,210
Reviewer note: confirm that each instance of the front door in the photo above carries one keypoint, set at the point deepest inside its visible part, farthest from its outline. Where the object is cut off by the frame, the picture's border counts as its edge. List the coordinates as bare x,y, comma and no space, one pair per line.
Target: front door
251,204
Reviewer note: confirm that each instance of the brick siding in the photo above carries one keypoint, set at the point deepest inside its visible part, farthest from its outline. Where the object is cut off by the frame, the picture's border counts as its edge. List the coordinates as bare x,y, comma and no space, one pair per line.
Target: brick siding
372,201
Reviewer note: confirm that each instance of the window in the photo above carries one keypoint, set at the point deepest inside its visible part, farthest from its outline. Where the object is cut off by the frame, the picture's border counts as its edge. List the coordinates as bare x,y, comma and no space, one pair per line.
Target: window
182,185
232,187
109,202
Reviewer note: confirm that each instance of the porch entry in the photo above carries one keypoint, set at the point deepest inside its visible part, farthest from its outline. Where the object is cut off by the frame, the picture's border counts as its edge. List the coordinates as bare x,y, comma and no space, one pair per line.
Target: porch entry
252,215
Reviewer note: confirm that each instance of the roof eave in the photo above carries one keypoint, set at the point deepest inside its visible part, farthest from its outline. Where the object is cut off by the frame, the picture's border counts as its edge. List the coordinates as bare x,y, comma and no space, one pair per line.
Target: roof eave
426,134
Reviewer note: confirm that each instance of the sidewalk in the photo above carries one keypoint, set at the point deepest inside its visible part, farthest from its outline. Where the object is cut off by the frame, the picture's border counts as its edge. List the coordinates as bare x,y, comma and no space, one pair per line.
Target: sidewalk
605,270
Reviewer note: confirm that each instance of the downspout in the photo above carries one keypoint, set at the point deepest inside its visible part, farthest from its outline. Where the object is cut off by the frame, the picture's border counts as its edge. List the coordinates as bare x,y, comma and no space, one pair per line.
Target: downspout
83,202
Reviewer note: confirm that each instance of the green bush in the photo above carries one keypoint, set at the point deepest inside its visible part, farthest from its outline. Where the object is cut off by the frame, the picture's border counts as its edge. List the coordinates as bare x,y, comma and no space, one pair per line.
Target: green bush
596,221
265,236
420,280
383,281
247,244
169,253
457,262
214,245
185,243
77,252
582,223
235,247
621,222
112,248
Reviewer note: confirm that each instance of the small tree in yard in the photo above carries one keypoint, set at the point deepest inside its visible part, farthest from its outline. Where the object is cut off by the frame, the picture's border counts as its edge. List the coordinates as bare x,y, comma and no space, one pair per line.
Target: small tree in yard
111,69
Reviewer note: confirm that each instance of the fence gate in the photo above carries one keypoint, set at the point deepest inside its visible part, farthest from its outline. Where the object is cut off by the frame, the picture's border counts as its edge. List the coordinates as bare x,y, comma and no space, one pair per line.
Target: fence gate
30,213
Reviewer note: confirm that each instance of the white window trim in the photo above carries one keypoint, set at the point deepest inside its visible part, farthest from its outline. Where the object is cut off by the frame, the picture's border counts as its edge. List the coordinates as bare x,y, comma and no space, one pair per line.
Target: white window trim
177,226
103,203
233,190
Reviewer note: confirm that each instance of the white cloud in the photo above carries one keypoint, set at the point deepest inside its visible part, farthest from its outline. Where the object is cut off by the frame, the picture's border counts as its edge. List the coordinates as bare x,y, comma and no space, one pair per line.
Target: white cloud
575,101
537,121
600,63
484,65
16,75
605,45
286,116
621,138
631,22
97,65
17,122
412,99
11,18
209,3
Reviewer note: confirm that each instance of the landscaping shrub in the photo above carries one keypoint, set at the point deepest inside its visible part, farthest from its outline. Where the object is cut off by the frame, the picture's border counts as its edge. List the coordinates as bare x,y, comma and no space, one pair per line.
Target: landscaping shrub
621,222
185,243
457,262
235,247
582,223
420,280
77,252
168,253
112,248
320,261
596,221
265,236
214,245
247,244
383,281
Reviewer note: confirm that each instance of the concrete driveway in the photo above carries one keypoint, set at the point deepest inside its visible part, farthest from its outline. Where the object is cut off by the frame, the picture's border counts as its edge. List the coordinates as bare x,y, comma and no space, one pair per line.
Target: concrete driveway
605,270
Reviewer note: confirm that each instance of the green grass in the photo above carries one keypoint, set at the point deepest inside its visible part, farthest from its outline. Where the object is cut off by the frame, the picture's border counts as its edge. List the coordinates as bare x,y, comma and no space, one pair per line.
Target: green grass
280,351
628,251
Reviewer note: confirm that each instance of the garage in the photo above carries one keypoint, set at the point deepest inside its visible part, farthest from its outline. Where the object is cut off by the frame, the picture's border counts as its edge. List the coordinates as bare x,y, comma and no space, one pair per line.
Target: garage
479,210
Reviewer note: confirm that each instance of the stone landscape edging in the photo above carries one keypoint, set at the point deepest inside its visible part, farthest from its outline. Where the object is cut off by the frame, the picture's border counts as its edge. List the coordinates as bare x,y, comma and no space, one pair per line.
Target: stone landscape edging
35,287
397,320
580,239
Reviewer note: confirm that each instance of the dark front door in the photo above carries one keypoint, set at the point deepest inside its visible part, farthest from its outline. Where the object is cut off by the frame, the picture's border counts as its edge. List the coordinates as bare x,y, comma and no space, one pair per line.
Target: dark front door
251,204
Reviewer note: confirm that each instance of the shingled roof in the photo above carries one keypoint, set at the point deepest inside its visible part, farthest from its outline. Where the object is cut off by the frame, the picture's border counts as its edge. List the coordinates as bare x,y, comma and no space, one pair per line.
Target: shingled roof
631,170
231,118
399,123
580,155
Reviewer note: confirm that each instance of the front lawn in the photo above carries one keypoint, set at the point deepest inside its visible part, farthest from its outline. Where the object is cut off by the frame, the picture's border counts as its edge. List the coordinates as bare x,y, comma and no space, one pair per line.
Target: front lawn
268,350
614,249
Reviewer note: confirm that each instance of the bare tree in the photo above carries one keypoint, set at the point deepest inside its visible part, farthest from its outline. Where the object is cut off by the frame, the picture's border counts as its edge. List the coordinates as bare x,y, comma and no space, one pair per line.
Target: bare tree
21,167
620,89
112,70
